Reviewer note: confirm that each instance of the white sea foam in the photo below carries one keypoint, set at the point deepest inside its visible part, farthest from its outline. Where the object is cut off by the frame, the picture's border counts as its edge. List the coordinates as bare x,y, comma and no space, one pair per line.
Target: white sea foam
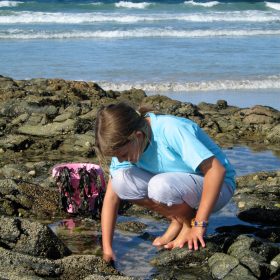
131,5
79,18
272,5
271,82
9,3
205,4
133,33
97,3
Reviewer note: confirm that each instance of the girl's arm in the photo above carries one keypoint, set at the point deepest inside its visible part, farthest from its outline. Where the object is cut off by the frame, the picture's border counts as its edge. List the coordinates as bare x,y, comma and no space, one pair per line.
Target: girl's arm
108,220
214,173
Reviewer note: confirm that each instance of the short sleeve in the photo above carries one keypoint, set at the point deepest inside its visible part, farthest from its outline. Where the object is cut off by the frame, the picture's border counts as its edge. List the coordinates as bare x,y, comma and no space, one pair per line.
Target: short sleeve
115,165
184,139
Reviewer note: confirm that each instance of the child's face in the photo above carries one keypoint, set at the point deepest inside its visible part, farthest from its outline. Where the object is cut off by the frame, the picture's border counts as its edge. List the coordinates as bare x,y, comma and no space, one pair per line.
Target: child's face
132,150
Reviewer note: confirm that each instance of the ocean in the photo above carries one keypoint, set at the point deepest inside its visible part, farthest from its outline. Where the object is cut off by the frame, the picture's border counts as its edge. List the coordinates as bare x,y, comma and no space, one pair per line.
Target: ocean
191,51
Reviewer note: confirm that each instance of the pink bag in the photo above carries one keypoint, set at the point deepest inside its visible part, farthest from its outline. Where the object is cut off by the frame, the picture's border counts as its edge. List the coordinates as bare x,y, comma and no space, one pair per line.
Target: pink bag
81,187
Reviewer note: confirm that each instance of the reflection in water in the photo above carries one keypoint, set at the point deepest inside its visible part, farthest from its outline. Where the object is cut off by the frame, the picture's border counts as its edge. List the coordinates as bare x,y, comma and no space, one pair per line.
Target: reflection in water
133,252
82,236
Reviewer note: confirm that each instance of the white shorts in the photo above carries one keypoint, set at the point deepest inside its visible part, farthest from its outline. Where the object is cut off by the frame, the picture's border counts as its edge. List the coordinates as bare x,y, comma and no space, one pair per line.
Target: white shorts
168,188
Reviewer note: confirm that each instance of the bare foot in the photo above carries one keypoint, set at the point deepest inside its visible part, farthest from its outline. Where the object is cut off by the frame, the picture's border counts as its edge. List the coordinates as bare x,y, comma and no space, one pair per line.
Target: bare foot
181,239
172,231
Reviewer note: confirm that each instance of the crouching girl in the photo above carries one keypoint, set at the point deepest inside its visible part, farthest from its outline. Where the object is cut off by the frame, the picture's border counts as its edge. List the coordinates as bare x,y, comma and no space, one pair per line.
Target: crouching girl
167,164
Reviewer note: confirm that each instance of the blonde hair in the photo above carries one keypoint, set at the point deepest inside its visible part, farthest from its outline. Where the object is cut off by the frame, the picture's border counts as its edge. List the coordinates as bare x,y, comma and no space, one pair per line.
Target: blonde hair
115,127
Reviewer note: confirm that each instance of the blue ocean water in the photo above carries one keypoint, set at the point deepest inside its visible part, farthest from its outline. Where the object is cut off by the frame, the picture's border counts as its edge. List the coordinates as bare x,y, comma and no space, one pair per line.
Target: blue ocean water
189,50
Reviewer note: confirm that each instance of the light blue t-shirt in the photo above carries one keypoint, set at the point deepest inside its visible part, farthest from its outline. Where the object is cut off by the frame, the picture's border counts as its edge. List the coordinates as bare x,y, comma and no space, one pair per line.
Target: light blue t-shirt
177,145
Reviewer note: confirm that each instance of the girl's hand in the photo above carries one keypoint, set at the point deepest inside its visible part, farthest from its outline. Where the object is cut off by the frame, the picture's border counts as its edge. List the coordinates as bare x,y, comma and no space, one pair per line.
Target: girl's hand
109,256
196,236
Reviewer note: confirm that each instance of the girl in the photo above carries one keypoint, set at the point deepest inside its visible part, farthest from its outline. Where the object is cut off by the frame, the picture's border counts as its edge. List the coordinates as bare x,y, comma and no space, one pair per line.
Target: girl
164,163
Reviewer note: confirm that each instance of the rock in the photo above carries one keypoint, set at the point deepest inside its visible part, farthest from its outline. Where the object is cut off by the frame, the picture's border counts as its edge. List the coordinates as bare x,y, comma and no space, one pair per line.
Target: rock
221,264
15,142
50,129
21,265
260,115
136,227
184,256
81,266
257,196
100,277
31,238
254,255
276,261
240,272
273,135
222,104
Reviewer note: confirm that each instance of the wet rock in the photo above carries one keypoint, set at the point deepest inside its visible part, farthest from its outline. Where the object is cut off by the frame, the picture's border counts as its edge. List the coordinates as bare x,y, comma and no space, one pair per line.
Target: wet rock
80,143
18,196
276,262
221,264
258,197
184,256
254,255
100,277
136,227
260,115
222,104
23,265
30,238
81,266
273,135
161,104
15,142
50,129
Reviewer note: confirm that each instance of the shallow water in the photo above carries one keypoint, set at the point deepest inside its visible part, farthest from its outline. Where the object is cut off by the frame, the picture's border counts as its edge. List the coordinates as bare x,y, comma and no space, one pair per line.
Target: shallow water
133,252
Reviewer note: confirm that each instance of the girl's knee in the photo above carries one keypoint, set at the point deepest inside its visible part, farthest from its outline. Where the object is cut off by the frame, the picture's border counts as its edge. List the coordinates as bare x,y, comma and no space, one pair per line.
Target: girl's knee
130,183
175,188
161,189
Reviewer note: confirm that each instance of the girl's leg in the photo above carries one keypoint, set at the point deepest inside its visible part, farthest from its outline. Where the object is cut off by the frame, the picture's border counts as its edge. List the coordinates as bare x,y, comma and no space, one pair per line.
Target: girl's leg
171,233
175,213
179,195
132,184
175,195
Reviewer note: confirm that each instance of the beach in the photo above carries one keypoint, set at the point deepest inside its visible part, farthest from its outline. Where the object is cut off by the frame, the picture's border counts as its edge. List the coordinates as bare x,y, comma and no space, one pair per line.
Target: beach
61,60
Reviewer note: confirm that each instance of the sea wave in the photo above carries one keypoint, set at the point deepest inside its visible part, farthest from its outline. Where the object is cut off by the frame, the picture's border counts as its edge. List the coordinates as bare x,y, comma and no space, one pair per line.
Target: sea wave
271,82
132,5
79,18
95,3
9,3
272,5
133,33
203,4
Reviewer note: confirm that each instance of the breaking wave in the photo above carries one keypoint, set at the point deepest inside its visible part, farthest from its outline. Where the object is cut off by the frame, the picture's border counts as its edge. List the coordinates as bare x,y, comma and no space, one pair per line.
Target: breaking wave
206,4
132,5
133,33
10,3
271,82
272,5
79,18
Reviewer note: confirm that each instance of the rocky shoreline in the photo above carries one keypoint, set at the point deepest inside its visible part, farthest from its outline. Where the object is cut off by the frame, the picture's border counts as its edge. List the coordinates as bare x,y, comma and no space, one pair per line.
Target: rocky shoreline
46,121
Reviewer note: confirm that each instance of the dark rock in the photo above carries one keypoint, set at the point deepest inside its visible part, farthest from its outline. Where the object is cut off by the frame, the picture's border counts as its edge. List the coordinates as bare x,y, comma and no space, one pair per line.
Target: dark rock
23,265
136,227
221,264
222,104
81,266
258,197
31,238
